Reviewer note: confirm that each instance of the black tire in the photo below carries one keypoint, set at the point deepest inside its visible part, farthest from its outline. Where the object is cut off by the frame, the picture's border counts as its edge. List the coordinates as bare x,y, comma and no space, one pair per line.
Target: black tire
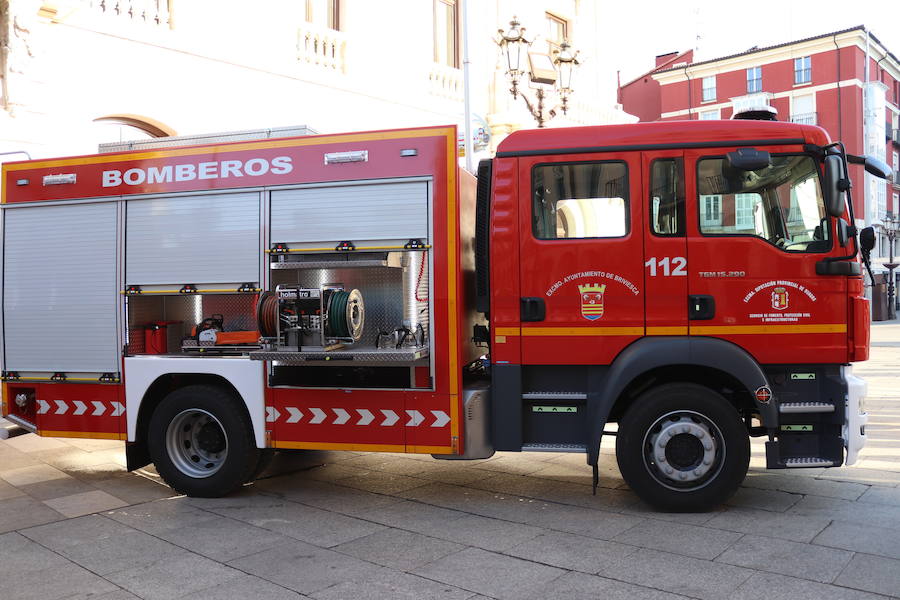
682,447
202,442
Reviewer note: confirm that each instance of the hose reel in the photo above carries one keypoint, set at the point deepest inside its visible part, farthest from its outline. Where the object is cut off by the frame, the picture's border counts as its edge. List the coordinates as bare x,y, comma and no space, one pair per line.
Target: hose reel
323,318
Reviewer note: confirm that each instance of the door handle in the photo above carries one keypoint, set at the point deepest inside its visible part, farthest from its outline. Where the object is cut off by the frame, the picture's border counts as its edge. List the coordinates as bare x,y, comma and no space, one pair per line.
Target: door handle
533,309
701,307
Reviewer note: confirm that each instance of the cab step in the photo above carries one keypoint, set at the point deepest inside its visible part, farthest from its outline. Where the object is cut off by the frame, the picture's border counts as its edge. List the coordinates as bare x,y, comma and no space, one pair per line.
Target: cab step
554,396
807,462
805,407
553,448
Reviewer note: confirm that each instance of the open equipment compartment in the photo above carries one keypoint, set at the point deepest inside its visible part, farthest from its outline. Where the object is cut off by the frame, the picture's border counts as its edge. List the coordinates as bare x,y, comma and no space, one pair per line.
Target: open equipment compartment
349,313
174,323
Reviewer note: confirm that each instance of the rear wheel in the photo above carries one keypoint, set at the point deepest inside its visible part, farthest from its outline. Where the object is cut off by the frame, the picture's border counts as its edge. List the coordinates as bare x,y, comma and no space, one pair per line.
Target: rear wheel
201,441
682,447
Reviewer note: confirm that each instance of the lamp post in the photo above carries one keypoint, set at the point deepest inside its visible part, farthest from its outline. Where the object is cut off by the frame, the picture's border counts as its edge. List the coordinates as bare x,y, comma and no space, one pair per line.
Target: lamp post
890,226
547,74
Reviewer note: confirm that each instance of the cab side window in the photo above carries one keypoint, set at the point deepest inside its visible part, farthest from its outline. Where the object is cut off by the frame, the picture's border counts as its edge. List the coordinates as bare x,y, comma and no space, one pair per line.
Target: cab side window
667,197
580,200
781,203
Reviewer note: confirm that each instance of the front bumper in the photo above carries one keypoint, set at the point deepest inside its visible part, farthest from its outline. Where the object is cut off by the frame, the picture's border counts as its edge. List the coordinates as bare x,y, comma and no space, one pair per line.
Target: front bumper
854,431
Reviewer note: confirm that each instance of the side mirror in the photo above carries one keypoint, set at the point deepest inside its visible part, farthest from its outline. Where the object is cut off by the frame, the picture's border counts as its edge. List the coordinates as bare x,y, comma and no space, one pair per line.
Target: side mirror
872,165
834,185
749,159
867,239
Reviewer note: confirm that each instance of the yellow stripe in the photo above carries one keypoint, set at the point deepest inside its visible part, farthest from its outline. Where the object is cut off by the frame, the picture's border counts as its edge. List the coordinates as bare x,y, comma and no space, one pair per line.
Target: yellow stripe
767,329
452,196
335,446
579,331
240,147
429,449
223,291
667,330
331,249
91,435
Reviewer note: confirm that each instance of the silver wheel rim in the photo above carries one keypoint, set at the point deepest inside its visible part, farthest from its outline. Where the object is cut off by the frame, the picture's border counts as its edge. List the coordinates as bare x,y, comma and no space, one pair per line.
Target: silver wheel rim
683,450
196,443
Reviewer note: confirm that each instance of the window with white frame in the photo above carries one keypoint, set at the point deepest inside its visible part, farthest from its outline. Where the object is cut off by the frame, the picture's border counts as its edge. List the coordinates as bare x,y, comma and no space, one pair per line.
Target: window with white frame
710,115
711,210
802,70
895,162
744,207
709,88
557,31
881,200
323,12
446,28
803,109
754,80
896,203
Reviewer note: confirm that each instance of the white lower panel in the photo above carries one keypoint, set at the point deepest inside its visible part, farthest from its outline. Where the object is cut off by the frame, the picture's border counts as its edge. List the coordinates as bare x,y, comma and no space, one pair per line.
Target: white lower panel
245,375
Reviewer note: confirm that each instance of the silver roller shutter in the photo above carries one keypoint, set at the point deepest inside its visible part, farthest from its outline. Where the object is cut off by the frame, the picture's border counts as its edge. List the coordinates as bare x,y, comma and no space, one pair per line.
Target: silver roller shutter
193,239
60,295
372,211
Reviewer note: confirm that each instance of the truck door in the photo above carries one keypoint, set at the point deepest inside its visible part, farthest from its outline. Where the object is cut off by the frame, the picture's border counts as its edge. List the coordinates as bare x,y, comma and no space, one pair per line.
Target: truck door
581,257
665,244
754,238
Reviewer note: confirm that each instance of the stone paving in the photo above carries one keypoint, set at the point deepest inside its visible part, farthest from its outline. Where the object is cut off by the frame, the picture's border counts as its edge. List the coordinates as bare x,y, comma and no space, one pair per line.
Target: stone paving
328,526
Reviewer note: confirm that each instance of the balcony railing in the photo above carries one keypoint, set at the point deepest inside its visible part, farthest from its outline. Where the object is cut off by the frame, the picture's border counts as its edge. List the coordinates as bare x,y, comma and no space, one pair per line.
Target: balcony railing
896,136
150,12
322,47
446,82
804,119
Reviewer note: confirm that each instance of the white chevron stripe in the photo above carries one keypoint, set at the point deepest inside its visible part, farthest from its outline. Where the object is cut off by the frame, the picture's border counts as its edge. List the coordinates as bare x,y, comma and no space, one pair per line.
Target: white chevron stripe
318,415
118,409
43,407
99,408
342,416
61,407
415,418
365,416
390,417
296,414
272,414
80,407
440,418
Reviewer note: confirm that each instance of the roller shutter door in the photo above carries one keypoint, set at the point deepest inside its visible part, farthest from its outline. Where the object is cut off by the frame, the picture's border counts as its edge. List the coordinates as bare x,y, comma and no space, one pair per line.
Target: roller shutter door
376,211
193,239
60,294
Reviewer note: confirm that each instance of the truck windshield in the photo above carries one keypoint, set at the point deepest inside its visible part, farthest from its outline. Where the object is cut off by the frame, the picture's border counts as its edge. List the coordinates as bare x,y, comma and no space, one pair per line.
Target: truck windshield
781,204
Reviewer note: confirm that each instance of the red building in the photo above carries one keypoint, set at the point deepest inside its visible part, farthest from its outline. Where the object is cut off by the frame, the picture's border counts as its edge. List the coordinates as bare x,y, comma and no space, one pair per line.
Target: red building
823,80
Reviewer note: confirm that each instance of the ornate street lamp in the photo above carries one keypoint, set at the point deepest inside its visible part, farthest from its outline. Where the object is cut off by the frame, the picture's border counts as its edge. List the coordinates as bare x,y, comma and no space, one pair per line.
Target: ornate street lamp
545,73
890,226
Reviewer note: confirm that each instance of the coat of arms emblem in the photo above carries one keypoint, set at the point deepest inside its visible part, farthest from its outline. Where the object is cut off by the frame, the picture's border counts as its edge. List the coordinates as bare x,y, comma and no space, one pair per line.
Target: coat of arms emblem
779,298
592,301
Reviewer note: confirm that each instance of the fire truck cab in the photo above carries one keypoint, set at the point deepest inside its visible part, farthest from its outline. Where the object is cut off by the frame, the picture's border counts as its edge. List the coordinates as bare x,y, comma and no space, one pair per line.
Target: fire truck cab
693,283
690,281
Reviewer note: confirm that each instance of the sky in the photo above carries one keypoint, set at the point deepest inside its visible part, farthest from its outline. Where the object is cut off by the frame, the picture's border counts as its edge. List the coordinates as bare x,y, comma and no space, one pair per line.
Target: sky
722,27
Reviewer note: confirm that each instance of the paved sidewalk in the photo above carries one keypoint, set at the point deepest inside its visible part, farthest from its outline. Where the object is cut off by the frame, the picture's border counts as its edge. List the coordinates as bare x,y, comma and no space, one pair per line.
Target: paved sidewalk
73,524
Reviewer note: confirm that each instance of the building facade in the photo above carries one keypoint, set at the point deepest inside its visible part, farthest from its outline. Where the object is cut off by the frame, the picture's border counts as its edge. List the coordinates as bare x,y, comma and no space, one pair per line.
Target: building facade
74,73
825,80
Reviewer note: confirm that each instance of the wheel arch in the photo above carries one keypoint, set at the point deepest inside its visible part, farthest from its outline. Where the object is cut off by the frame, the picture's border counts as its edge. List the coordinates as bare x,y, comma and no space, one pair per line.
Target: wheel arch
651,361
148,381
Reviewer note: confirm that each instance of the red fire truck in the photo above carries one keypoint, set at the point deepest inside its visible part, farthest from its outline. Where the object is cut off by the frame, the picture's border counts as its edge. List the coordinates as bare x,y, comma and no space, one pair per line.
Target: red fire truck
696,283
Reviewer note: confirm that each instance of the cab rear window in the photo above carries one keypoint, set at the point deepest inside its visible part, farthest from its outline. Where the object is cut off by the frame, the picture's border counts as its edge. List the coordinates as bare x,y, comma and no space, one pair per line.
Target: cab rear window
580,200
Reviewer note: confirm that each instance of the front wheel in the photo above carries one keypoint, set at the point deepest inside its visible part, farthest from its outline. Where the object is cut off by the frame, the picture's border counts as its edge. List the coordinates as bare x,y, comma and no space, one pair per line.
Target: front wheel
682,447
201,442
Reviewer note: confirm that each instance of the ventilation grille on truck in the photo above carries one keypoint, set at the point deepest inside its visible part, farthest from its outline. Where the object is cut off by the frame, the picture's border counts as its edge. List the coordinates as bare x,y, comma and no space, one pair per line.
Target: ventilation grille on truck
482,237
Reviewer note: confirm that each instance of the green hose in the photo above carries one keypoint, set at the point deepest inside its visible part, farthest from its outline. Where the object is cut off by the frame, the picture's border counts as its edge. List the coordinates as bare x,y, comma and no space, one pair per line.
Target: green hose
337,314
